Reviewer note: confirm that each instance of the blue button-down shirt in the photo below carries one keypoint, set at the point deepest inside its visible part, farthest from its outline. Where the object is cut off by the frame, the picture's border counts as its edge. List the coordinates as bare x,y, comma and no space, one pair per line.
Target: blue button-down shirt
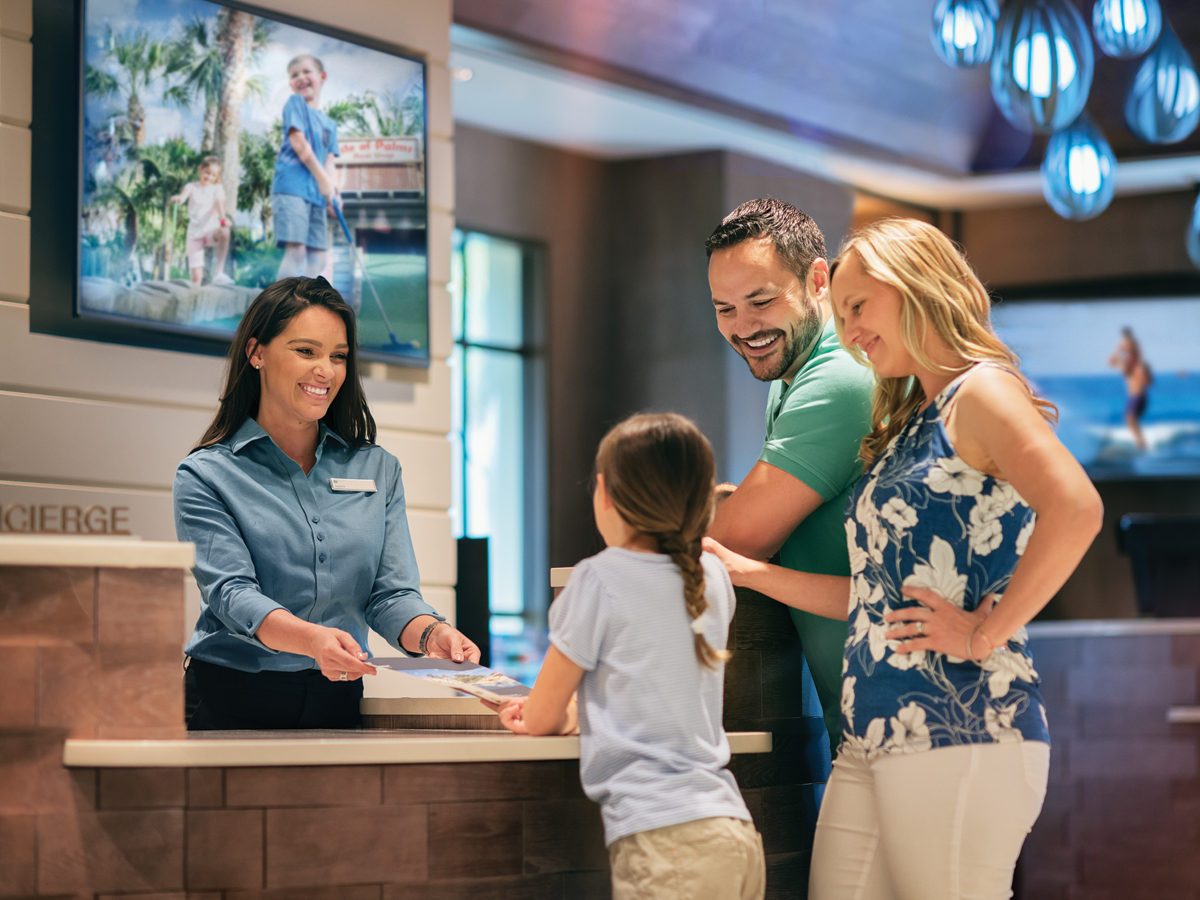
270,537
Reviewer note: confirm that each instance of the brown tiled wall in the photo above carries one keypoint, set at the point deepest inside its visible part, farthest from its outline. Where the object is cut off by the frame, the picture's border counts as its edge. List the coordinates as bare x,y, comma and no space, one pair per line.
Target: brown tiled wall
1122,812
768,688
93,653
484,831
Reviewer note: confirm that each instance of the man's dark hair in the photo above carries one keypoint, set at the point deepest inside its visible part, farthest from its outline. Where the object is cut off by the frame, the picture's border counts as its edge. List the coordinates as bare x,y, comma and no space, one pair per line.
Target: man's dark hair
797,239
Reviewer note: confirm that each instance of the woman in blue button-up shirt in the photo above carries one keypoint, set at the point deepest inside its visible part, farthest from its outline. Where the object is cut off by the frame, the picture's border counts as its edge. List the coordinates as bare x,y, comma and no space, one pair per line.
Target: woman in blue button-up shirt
302,543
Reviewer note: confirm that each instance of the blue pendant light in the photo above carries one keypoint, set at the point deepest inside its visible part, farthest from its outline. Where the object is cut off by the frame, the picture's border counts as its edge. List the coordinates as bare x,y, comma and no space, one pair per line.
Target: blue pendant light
1193,235
1126,28
963,31
1163,105
1079,171
1042,64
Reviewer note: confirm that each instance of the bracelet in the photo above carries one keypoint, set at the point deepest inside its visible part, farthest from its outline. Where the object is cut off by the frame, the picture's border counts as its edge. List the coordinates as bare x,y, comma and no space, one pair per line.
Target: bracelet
425,637
971,641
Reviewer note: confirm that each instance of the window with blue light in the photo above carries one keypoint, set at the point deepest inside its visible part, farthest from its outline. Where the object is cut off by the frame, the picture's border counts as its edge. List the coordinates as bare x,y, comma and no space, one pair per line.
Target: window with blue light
497,436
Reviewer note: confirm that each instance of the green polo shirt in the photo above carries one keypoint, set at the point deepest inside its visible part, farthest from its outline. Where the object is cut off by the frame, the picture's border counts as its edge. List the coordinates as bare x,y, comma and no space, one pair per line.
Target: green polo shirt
814,428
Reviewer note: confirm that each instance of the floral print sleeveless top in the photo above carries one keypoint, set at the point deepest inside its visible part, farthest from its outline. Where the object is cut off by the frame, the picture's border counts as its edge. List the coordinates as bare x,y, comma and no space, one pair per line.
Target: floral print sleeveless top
921,517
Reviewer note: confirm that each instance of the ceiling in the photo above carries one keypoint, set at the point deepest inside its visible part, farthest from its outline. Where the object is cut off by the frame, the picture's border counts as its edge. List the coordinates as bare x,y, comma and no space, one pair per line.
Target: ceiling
850,89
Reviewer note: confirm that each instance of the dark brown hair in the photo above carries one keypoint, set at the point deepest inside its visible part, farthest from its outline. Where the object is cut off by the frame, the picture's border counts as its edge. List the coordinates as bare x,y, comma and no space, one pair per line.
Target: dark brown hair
797,239
659,473
348,416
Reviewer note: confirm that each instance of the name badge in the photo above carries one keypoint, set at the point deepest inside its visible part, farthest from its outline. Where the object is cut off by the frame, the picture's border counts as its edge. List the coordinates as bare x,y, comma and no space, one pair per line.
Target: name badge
347,485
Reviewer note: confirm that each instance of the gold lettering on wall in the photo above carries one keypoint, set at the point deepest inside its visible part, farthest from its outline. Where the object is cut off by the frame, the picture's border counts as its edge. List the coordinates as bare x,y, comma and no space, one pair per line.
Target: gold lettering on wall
50,518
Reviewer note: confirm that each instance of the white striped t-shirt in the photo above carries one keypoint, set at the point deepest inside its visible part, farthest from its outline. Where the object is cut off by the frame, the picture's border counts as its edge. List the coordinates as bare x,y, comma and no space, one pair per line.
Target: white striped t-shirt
653,747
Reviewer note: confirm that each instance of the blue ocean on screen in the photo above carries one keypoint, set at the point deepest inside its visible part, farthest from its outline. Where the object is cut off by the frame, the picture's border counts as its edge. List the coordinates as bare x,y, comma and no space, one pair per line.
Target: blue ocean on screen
1092,423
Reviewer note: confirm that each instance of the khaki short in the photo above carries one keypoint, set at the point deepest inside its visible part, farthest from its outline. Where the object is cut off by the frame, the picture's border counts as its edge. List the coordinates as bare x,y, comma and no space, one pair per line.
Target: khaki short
708,859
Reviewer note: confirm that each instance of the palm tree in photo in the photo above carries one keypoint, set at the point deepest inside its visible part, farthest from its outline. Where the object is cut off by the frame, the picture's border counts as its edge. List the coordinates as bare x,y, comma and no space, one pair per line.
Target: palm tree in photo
139,60
195,60
166,169
240,39
259,152
380,115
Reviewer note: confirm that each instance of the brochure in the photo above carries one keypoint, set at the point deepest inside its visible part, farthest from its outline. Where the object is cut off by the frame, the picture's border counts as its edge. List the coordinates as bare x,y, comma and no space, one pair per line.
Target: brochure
465,677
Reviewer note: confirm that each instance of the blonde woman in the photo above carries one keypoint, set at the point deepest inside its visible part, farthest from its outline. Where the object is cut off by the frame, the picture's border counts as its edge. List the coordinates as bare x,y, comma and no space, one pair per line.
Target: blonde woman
945,749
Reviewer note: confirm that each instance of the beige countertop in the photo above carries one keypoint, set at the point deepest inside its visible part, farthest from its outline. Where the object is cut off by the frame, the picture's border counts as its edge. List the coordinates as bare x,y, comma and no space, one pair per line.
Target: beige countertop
115,552
367,747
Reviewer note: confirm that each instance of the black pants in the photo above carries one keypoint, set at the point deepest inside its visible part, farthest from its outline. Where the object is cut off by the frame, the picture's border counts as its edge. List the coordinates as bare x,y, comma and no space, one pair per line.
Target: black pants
222,699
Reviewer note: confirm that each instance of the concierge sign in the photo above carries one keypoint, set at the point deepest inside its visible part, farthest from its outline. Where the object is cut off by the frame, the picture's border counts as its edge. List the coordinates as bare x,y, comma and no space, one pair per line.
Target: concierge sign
53,518
77,511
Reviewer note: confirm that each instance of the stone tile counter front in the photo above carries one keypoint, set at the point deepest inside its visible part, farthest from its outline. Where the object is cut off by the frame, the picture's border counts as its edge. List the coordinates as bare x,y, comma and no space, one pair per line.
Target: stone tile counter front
89,648
104,795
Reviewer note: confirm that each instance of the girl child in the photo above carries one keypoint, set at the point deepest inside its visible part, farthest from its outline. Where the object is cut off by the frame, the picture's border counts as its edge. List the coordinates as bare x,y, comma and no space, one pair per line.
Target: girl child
207,225
945,747
640,631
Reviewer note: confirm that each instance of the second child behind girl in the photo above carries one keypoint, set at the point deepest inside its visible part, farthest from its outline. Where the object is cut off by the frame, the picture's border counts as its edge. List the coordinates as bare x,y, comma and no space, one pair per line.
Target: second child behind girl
640,631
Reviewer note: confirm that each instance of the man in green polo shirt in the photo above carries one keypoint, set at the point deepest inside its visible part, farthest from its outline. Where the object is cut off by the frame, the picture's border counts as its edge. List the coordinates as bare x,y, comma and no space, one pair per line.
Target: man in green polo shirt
770,288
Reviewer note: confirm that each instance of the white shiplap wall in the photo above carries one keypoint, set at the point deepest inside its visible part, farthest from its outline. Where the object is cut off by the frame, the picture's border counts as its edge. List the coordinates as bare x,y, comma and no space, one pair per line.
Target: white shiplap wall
87,423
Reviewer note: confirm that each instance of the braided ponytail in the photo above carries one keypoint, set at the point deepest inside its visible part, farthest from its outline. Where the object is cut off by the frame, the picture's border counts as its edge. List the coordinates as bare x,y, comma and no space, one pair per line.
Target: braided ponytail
659,472
686,555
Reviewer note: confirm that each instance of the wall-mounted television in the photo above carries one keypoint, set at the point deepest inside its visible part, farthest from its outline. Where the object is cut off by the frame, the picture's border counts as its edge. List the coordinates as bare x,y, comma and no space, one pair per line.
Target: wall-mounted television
1125,374
197,152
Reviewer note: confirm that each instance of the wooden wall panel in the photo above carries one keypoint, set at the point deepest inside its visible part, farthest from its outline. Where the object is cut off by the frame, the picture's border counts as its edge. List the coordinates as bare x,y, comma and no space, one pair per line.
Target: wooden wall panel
41,363
14,256
440,337
412,401
433,542
95,442
15,146
425,464
439,179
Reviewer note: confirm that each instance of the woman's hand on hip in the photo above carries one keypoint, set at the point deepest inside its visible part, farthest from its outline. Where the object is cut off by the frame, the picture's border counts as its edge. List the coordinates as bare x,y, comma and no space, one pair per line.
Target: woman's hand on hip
937,625
447,642
338,655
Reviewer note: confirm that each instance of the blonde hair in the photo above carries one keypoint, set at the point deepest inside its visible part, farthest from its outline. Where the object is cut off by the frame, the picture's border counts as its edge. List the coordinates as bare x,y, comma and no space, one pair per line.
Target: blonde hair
937,287
659,473
295,59
209,162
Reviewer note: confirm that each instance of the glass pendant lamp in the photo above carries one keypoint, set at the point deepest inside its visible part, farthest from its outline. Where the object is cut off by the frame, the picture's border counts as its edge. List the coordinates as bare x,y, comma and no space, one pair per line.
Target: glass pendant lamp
1163,105
963,31
1193,235
1126,28
1079,171
1042,64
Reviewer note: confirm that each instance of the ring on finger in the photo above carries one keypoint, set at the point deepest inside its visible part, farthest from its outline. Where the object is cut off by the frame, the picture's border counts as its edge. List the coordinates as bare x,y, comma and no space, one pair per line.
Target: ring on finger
920,628
343,677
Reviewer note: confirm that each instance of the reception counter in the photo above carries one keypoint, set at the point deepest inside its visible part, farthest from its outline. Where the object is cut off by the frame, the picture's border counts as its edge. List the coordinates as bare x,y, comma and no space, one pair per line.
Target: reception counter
103,793
339,748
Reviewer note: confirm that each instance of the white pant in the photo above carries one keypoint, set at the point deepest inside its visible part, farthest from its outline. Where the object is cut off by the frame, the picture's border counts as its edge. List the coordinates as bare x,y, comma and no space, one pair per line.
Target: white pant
940,825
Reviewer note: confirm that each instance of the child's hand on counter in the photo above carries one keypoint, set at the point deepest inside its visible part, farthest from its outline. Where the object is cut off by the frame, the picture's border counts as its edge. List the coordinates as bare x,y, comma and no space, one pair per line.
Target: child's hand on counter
512,715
